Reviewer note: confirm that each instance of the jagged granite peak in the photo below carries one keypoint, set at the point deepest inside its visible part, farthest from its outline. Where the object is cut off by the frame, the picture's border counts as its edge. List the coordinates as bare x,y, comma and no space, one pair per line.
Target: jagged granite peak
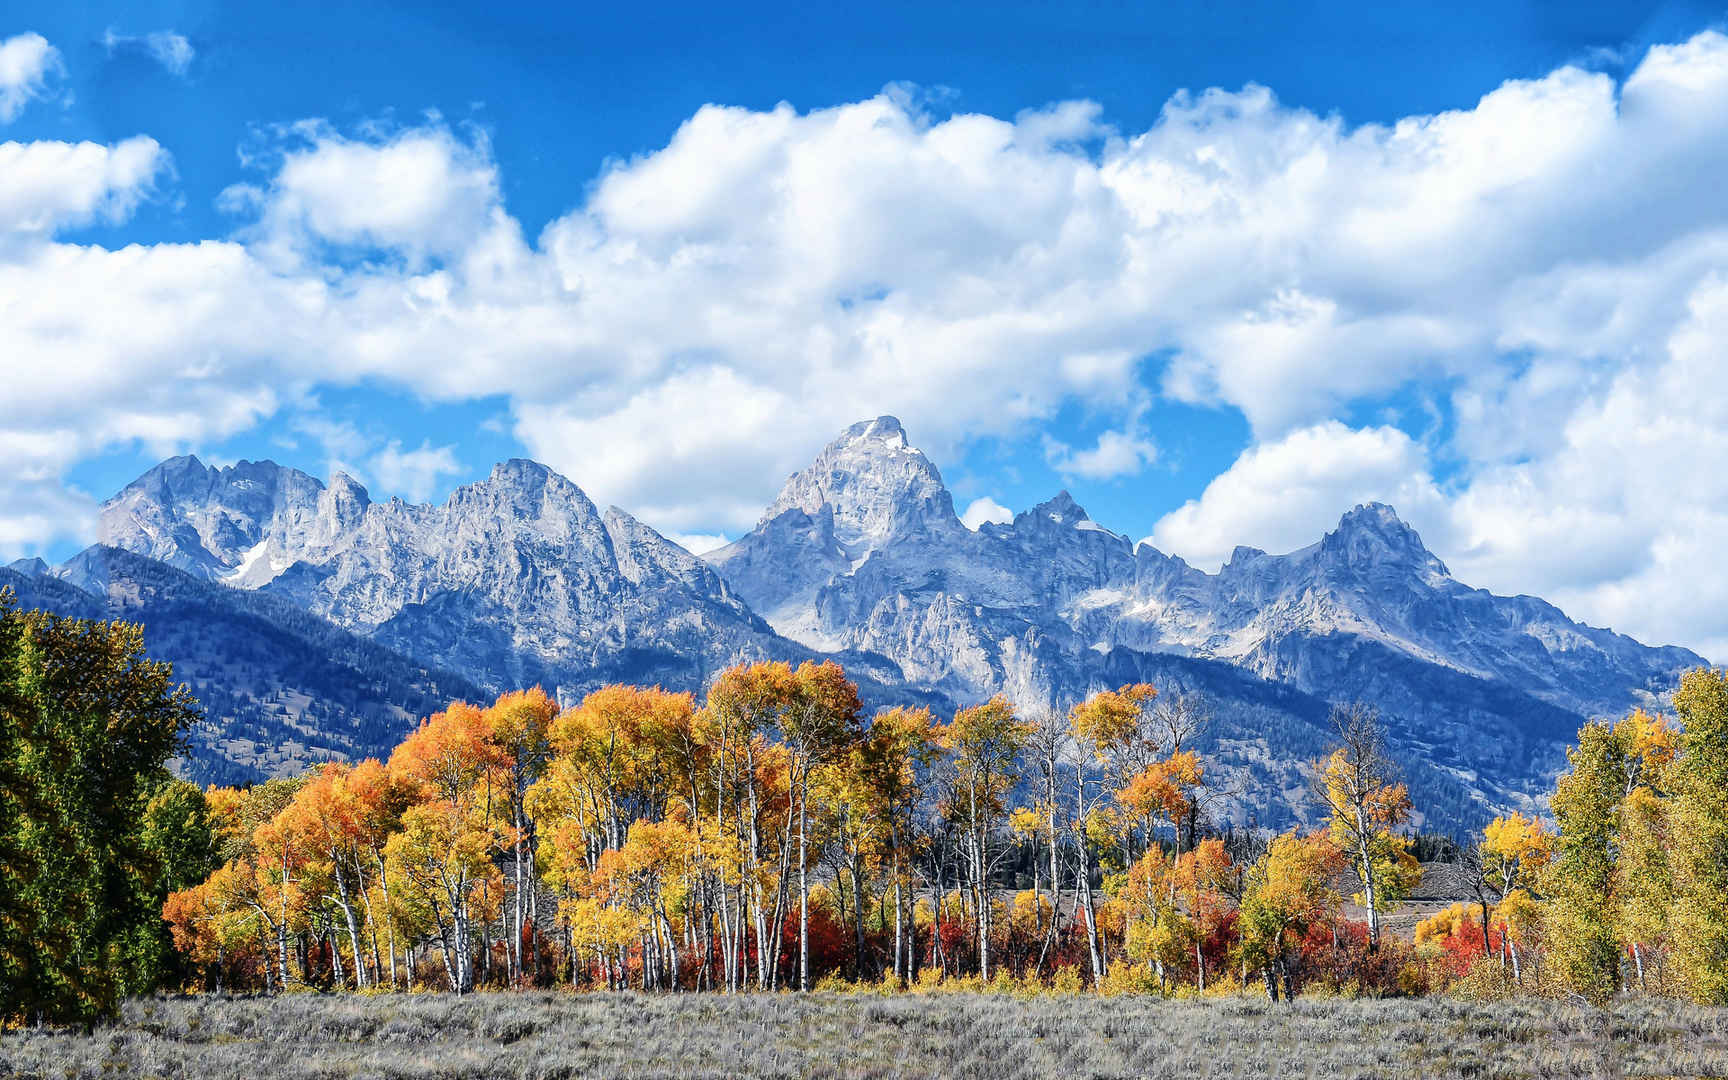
514,579
345,501
1373,534
1062,509
33,566
207,521
1242,555
876,485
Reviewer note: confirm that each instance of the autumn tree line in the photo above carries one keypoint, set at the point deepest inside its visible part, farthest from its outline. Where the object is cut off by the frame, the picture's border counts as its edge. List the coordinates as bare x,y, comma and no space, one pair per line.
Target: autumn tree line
771,836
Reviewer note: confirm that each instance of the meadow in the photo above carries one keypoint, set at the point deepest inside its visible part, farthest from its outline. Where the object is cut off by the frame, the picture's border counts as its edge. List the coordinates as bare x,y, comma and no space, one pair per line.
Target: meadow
543,1035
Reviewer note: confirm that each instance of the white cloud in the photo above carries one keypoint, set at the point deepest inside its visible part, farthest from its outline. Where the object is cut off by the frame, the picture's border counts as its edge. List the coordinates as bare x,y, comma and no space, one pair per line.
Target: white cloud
1622,522
983,509
419,192
699,543
1283,495
414,474
46,186
27,66
709,312
1117,453
172,50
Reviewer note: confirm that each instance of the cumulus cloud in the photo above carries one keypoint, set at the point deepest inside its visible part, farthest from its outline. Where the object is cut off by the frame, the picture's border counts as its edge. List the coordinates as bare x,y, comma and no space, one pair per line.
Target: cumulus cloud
1117,454
710,311
46,186
421,192
172,50
28,65
1282,495
1622,521
984,509
414,473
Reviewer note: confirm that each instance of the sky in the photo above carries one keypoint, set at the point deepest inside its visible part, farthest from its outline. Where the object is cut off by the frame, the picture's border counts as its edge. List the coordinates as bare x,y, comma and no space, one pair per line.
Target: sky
1220,271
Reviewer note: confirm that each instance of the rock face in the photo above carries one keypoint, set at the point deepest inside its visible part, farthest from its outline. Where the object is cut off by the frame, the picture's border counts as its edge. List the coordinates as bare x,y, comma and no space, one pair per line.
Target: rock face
520,579
515,580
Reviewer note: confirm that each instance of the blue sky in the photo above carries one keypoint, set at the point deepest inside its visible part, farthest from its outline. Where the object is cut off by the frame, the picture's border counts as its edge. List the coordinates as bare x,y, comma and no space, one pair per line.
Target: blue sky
1413,253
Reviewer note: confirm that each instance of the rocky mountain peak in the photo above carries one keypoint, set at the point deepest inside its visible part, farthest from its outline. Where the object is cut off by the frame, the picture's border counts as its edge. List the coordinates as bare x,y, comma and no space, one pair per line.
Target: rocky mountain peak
172,477
206,520
1062,509
31,567
344,502
521,472
527,494
885,429
1242,555
1372,534
876,484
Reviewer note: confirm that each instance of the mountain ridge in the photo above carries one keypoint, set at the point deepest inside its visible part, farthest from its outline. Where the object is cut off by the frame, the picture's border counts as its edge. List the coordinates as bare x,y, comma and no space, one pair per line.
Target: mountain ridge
1055,560
520,578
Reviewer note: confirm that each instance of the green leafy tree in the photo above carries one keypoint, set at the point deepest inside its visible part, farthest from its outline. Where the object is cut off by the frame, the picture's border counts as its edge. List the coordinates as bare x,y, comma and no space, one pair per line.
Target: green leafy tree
180,847
1698,922
87,725
1581,877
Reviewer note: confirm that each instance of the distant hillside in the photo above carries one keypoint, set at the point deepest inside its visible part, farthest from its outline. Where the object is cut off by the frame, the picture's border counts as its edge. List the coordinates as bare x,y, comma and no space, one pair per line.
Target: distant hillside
280,687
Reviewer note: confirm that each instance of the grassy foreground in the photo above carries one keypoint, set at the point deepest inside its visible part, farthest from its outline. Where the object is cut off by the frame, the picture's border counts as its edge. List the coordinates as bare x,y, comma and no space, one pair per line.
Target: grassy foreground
856,1035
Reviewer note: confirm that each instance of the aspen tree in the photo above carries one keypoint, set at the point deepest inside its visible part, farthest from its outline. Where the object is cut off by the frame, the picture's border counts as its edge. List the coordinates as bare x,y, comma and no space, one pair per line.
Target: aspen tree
1699,831
983,746
1364,805
1579,882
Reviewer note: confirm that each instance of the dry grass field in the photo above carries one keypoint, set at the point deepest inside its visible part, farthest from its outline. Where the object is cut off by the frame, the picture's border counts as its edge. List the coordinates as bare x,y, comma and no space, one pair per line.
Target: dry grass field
857,1035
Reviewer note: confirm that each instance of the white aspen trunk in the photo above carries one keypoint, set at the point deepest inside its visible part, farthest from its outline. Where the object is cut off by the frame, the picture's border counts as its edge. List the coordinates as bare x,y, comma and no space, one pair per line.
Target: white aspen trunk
1084,880
282,952
390,929
335,954
1362,837
803,884
858,915
513,950
353,929
899,932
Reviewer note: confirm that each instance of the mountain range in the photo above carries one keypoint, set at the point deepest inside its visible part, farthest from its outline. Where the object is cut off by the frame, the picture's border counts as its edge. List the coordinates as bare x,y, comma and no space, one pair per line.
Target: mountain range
387,608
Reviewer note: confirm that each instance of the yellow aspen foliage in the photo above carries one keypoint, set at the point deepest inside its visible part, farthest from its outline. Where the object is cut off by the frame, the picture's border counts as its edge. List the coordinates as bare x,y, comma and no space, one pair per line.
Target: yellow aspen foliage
1112,719
1288,890
1442,924
1514,850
